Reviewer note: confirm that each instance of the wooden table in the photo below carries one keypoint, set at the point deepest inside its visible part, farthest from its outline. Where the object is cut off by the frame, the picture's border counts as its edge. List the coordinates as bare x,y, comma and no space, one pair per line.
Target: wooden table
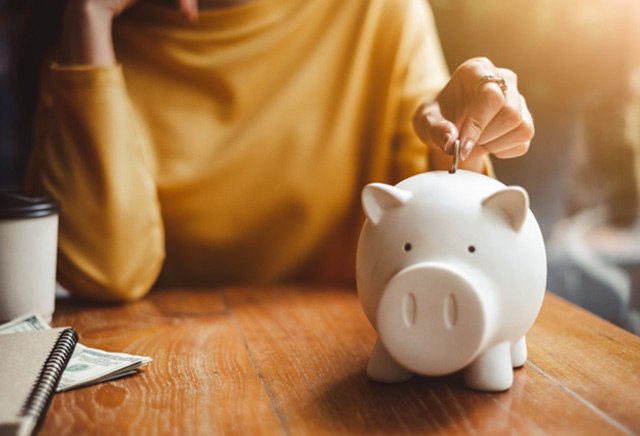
287,360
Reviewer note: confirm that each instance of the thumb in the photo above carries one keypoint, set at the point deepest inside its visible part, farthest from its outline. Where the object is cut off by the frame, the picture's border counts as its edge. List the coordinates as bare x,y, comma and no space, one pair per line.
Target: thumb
433,129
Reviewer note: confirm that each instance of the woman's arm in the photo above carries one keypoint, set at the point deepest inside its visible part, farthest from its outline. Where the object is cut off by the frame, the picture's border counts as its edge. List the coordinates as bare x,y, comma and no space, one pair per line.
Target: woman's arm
86,31
92,155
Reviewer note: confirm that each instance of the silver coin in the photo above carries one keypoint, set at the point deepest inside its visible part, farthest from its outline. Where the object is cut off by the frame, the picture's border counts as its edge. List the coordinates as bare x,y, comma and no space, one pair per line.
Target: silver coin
456,154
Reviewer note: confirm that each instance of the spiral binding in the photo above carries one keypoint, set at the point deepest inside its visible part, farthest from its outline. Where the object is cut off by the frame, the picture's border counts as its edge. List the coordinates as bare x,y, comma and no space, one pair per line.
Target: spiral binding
43,390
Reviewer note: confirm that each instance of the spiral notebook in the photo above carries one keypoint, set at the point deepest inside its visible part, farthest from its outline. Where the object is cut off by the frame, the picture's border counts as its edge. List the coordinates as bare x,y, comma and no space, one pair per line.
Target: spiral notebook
31,364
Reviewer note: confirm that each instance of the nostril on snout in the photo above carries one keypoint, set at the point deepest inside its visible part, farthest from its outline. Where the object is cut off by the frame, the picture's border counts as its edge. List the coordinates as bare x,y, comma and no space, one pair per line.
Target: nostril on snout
409,309
450,311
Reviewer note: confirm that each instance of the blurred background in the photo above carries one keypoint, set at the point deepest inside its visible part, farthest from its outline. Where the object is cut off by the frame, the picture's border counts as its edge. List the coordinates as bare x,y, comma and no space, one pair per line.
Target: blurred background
9,152
578,63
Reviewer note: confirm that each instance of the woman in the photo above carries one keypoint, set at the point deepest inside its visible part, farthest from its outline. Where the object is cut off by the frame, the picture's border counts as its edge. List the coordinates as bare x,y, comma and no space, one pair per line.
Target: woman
228,141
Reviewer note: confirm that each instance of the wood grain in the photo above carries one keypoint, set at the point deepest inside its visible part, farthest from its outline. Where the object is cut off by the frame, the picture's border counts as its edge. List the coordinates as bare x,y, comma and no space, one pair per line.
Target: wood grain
291,360
201,377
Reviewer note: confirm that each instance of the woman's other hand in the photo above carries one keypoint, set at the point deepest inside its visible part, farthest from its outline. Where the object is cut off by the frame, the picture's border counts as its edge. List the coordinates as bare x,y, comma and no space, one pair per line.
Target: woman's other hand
487,114
86,36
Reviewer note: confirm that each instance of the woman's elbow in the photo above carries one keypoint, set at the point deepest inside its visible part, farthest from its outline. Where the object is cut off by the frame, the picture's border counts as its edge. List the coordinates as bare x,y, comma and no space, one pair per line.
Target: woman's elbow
115,283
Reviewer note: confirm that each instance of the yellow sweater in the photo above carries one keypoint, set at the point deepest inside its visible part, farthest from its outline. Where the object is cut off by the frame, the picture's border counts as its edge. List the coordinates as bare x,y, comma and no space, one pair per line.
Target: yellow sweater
232,149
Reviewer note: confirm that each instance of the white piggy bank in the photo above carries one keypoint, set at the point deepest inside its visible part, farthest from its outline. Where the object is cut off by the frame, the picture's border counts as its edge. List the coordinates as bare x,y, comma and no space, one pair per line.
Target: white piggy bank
451,271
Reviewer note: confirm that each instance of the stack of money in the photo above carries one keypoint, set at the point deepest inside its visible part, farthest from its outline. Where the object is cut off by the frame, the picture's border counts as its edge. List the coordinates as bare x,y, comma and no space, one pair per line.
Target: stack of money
87,366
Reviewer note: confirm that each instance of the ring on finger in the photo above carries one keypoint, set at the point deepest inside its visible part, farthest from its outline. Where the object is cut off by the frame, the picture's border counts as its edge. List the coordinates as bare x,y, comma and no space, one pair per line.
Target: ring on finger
492,79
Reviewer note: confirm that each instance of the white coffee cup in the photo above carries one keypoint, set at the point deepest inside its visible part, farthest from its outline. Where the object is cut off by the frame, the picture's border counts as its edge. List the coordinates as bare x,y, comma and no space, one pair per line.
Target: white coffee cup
28,252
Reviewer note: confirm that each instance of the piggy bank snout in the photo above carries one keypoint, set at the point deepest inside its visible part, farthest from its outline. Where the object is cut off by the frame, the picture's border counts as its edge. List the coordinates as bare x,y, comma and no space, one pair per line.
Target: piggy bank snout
432,320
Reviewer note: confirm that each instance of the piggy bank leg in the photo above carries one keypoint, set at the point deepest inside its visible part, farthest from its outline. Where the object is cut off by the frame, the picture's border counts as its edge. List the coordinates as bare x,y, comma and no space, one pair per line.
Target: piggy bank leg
492,371
383,368
519,353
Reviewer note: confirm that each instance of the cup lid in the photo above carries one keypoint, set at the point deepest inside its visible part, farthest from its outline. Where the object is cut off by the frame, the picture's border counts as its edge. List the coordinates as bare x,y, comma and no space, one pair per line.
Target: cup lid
26,205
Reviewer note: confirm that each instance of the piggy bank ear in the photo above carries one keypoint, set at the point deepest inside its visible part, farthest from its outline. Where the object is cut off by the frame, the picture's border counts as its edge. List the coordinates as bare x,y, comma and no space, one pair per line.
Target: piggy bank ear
513,202
377,198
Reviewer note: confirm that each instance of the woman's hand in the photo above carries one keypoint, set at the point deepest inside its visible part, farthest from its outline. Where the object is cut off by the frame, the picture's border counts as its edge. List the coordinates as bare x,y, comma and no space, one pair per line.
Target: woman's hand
86,34
474,108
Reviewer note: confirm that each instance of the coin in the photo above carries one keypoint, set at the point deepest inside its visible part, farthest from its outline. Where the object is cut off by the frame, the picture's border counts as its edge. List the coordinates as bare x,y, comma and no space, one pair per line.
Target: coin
456,154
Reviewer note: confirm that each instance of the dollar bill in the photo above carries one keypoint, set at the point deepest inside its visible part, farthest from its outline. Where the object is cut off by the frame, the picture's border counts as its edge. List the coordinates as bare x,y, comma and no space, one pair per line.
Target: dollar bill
87,365
26,323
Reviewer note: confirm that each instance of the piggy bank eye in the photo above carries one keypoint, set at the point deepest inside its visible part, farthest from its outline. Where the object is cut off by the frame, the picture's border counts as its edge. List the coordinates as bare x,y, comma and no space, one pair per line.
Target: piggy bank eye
471,249
407,246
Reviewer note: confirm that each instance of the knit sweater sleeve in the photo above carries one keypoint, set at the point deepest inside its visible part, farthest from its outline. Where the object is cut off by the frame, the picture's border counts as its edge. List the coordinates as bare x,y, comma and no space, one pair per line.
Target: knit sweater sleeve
91,155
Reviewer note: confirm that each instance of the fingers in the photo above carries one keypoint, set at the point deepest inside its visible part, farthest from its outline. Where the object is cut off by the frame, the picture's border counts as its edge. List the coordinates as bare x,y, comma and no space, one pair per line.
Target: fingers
189,9
433,129
485,101
514,142
510,114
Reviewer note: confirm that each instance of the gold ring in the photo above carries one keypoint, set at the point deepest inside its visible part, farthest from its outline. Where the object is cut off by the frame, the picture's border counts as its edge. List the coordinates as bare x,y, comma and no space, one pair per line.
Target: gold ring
495,79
